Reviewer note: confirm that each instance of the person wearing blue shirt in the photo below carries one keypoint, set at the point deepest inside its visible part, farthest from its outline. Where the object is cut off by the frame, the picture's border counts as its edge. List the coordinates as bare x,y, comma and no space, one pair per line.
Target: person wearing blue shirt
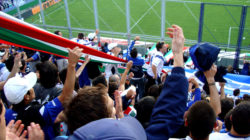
19,91
138,79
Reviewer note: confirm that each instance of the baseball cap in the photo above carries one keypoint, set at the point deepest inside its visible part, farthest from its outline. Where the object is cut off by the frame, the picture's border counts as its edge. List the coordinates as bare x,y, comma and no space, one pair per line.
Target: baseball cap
112,45
91,36
16,87
204,55
106,129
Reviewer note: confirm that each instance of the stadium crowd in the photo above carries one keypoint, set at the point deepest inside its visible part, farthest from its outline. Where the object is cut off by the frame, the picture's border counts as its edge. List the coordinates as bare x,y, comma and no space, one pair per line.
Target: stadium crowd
49,97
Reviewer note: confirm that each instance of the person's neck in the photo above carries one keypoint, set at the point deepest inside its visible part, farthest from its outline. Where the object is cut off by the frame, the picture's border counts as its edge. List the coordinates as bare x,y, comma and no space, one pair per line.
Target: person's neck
190,135
234,133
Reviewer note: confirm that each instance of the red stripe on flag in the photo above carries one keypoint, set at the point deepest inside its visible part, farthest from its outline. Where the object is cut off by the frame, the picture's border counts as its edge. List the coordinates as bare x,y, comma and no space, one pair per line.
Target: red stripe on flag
51,38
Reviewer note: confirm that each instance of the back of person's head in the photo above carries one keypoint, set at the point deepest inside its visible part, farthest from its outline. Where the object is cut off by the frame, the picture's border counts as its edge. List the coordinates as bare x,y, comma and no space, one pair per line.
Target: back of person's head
113,86
133,53
227,120
236,92
48,73
80,35
57,32
100,80
144,110
63,74
241,118
10,62
89,105
226,105
159,45
246,97
154,91
201,119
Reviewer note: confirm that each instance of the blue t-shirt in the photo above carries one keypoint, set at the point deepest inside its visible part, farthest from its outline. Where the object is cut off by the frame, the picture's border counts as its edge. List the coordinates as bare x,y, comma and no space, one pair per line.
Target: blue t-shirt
47,112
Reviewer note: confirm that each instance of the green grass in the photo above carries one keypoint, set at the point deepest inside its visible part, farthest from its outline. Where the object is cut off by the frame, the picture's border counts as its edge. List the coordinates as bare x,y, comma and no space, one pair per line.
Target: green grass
112,17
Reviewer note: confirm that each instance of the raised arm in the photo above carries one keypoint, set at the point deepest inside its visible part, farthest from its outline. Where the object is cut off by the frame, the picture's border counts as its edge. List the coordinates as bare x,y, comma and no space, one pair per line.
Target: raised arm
169,109
15,69
79,71
68,88
214,95
124,76
222,90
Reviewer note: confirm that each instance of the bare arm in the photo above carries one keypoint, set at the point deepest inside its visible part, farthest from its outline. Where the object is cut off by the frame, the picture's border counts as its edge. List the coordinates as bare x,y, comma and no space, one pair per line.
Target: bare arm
68,88
214,95
124,76
14,70
79,71
222,91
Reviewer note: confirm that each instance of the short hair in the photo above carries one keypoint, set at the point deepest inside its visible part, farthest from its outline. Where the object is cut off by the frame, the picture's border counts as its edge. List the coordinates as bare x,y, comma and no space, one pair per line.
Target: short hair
154,91
241,118
80,35
159,45
57,32
246,97
144,110
236,92
113,86
63,74
133,53
227,120
48,74
23,64
201,119
226,105
100,80
89,105
10,62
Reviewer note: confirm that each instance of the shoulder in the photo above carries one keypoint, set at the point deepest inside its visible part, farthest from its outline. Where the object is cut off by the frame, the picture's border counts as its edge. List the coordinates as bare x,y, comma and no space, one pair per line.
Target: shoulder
218,136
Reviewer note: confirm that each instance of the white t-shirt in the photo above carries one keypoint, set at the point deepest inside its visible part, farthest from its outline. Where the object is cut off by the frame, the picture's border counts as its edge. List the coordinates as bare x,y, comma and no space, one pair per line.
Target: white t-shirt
80,41
225,136
158,61
4,73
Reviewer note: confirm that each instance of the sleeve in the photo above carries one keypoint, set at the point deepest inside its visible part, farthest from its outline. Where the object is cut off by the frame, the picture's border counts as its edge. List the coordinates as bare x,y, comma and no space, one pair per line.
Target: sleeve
35,56
167,115
50,111
197,97
130,47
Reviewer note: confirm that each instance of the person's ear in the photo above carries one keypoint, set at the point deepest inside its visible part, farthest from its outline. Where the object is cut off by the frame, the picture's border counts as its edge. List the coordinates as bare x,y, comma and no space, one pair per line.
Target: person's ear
186,123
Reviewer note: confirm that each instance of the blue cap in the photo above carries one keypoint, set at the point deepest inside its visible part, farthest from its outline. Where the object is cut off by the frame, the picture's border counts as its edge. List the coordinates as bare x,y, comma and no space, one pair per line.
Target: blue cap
204,55
126,128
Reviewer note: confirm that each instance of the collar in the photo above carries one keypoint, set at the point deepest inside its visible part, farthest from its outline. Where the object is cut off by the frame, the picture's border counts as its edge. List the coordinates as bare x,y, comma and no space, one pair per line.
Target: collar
231,135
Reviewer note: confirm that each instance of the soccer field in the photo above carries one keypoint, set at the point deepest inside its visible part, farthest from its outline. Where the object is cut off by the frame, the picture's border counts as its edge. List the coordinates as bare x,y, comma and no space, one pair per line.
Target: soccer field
145,18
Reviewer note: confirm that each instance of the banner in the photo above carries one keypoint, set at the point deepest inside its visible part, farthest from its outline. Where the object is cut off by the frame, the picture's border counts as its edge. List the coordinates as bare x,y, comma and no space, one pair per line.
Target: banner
21,34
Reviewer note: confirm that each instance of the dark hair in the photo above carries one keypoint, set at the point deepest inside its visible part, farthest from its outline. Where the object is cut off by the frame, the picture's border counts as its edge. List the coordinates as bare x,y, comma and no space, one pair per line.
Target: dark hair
89,105
226,105
63,75
238,101
57,32
236,92
113,86
154,91
227,120
201,118
144,110
23,64
241,118
246,97
10,62
133,53
159,45
48,74
80,35
100,80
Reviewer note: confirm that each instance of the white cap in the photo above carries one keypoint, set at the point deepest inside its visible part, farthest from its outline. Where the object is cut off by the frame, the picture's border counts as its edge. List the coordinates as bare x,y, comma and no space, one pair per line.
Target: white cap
91,36
112,45
15,88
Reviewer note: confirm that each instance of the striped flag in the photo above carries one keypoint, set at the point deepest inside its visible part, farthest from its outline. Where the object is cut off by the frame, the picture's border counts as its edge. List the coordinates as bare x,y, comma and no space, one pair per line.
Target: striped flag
189,62
21,34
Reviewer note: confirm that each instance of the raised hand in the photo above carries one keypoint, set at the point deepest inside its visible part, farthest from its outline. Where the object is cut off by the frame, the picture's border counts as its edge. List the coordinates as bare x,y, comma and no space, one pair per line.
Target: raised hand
74,55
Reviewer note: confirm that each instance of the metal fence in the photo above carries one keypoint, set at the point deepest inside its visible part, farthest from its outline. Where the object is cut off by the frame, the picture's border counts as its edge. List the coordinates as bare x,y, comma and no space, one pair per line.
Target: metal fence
226,25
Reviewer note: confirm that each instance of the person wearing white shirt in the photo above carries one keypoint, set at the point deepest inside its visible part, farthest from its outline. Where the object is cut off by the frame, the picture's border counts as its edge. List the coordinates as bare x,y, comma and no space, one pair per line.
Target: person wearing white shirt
156,65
